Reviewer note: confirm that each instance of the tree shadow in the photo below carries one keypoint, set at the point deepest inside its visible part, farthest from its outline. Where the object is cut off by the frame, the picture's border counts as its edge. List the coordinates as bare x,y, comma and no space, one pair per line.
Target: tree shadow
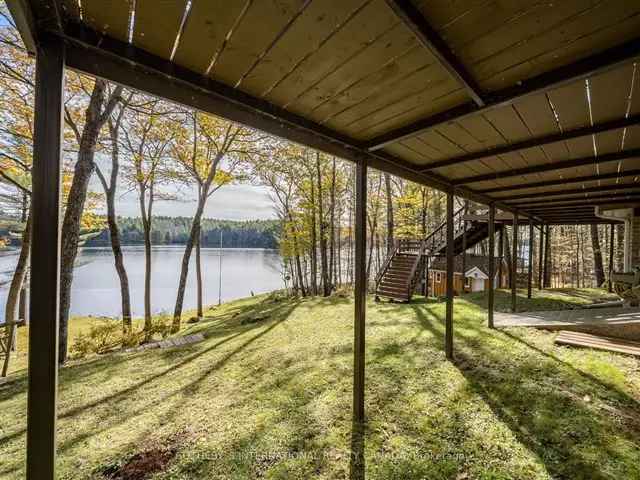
107,409
570,419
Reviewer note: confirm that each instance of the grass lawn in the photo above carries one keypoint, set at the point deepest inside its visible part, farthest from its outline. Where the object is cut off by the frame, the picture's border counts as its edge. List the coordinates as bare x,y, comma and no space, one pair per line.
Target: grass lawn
268,395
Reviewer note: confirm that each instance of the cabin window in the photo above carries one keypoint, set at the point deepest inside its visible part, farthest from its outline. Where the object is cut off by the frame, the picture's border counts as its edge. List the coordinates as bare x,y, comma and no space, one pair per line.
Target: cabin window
438,277
467,282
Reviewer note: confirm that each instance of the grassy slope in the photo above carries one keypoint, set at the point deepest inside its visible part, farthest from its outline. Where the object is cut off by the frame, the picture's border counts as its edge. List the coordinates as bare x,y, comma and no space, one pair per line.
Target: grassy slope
272,399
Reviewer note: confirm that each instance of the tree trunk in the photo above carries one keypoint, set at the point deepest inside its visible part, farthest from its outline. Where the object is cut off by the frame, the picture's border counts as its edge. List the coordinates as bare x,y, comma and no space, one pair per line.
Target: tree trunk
114,230
199,313
314,242
184,271
116,248
94,120
619,247
13,296
326,287
146,227
387,184
332,226
507,253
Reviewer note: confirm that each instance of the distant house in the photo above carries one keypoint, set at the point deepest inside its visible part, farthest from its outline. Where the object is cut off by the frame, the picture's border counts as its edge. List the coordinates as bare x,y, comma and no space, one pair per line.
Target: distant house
476,275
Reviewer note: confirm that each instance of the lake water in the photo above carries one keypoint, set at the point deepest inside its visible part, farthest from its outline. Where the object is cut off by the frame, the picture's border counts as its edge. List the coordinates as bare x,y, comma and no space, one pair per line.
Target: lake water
96,291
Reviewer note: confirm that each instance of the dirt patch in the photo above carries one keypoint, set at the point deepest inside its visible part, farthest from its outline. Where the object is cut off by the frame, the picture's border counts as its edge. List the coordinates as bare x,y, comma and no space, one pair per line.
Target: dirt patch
142,465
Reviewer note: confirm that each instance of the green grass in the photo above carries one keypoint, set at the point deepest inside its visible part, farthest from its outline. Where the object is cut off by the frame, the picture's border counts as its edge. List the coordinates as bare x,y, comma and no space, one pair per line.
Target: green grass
271,398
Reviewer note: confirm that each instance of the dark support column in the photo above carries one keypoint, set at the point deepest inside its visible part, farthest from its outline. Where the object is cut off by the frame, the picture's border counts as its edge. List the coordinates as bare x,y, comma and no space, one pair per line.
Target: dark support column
360,298
464,247
530,271
448,342
514,263
546,279
492,264
611,243
45,262
540,256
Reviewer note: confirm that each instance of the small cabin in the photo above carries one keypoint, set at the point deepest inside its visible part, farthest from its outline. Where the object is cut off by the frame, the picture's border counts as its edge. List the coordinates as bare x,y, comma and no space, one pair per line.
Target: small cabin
475,278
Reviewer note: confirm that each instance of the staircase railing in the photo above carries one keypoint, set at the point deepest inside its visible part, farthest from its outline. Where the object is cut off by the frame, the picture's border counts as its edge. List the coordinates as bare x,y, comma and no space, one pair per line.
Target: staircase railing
387,262
439,235
416,269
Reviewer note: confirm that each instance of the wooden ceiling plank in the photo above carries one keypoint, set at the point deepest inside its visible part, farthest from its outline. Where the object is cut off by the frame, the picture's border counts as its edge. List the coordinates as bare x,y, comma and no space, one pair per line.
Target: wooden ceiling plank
393,75
367,27
514,53
421,87
261,25
205,31
393,45
621,53
407,110
313,28
428,151
156,25
110,17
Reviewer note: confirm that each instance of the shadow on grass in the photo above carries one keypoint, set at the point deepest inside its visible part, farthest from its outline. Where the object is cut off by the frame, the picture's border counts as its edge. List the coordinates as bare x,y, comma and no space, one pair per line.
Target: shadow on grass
105,418
554,409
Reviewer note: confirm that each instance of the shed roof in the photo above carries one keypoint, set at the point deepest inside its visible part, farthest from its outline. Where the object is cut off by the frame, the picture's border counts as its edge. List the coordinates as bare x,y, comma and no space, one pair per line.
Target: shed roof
506,102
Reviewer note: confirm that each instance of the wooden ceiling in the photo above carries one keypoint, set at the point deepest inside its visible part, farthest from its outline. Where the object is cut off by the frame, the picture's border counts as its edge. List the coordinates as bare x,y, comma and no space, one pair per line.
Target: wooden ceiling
533,105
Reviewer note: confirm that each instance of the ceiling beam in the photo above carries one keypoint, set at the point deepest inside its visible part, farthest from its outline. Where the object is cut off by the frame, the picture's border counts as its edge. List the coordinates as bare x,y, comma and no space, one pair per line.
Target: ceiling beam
561,181
574,200
583,204
536,142
584,68
548,167
515,199
432,41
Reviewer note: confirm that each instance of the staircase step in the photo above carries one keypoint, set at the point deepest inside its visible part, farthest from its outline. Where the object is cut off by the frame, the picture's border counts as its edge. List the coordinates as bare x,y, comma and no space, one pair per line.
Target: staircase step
395,286
390,288
394,295
395,277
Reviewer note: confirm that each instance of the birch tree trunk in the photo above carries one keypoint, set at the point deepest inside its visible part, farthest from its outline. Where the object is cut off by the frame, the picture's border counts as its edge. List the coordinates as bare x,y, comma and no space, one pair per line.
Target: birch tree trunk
13,296
199,313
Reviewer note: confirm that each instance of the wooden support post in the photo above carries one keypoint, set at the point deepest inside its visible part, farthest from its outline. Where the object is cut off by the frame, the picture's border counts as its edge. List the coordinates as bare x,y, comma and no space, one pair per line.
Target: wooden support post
360,298
45,261
611,243
449,311
540,256
530,271
492,265
464,247
546,279
514,263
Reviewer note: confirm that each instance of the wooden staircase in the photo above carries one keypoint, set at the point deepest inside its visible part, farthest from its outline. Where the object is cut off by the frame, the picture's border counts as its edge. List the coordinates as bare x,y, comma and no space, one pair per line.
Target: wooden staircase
406,263
398,276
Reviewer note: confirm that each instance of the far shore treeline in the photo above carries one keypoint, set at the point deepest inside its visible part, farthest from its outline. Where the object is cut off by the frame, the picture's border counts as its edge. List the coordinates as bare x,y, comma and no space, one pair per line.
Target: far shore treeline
175,231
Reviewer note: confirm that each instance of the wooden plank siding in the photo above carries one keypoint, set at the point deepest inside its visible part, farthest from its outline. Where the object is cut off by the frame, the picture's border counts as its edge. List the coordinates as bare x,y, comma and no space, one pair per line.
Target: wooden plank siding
437,283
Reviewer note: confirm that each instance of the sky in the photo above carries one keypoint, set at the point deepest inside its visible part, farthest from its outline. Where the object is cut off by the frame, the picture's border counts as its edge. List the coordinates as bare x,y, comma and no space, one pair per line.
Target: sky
237,201
231,202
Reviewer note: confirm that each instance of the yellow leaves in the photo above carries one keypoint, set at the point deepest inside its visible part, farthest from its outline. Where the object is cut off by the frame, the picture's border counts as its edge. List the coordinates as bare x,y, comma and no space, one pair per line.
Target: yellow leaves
222,178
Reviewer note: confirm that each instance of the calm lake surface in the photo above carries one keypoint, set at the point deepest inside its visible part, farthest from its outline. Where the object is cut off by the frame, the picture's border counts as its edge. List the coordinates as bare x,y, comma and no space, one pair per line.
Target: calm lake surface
96,290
